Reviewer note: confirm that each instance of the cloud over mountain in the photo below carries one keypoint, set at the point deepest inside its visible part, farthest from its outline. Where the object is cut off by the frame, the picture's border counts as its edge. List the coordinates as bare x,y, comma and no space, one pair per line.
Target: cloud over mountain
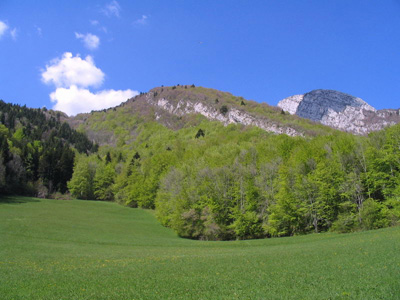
74,100
72,76
70,70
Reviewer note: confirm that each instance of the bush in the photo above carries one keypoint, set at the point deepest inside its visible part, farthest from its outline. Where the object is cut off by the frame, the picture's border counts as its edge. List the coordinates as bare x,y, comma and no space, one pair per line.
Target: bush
223,110
199,133
372,215
392,211
247,226
344,223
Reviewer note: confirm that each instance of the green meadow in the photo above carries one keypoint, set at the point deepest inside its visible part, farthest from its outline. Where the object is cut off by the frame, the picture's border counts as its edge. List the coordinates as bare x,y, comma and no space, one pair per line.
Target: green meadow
56,249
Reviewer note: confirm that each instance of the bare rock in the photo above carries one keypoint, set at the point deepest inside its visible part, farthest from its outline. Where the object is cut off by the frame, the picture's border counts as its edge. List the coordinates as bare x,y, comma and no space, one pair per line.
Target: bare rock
340,111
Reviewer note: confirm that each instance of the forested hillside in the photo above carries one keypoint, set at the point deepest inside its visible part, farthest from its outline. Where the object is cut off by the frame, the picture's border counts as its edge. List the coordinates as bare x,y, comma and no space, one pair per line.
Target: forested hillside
37,151
218,182
206,179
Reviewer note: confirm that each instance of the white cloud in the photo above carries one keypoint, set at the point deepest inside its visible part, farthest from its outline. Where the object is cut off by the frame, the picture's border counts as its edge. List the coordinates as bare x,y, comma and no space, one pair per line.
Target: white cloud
70,70
13,34
94,22
90,41
142,20
112,9
3,28
74,100
72,75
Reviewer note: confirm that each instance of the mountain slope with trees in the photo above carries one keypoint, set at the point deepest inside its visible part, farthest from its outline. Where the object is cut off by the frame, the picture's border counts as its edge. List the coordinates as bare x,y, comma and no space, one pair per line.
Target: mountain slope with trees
176,150
210,181
37,150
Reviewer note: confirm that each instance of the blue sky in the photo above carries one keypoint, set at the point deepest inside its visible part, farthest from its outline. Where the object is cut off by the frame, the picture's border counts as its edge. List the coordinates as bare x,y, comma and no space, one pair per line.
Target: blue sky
83,55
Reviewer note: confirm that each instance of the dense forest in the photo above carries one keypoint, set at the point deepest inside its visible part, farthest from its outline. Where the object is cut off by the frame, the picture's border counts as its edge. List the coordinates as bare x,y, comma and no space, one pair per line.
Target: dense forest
37,151
220,183
208,181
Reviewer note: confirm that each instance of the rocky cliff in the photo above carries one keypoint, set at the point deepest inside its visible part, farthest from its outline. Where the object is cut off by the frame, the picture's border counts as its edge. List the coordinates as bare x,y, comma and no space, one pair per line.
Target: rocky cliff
233,115
340,111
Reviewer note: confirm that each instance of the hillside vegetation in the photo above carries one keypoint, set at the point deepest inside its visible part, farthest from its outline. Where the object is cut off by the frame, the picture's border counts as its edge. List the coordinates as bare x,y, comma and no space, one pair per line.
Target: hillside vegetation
205,179
52,249
217,182
118,126
37,150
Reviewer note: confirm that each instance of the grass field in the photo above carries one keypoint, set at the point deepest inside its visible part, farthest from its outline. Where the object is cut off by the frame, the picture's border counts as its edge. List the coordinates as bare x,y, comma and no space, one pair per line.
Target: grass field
54,249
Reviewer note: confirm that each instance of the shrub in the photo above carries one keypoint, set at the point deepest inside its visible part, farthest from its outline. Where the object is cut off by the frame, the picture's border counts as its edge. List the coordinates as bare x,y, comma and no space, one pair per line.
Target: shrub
223,110
199,133
344,223
372,215
247,226
392,211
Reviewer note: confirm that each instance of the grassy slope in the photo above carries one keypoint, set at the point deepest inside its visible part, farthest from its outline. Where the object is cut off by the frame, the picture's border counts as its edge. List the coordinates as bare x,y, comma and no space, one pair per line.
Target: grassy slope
53,249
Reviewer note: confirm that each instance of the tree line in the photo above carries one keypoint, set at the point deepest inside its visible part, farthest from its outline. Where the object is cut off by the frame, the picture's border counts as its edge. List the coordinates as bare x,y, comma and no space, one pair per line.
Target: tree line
238,182
209,181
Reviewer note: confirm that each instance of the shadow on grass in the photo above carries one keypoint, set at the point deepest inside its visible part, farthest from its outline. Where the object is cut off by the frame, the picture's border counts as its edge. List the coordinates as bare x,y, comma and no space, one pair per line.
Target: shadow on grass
16,200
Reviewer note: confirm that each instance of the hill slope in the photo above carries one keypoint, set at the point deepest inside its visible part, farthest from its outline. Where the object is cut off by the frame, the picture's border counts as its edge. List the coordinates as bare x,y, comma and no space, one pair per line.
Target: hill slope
95,250
210,181
182,106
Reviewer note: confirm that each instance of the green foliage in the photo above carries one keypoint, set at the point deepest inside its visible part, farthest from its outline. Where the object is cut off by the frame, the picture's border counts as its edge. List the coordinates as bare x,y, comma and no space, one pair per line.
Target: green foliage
103,181
372,215
81,184
236,182
243,183
247,225
345,222
37,151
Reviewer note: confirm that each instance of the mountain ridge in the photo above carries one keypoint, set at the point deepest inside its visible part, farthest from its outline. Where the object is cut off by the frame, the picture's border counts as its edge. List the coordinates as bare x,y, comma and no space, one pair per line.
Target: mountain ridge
183,105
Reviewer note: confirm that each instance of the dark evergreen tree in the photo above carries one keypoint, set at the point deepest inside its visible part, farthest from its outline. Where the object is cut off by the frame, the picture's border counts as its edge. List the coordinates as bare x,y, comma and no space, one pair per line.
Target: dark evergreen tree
199,133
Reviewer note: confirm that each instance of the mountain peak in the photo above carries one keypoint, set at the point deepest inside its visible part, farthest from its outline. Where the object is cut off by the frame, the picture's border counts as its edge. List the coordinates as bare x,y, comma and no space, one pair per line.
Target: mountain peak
339,110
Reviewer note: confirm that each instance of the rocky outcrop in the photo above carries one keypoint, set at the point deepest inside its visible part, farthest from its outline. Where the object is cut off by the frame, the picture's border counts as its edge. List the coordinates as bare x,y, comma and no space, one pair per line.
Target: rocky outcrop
232,116
291,103
340,111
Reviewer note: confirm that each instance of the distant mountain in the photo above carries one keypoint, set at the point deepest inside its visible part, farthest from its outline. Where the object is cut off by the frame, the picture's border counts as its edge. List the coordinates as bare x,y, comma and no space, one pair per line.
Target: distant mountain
181,106
340,111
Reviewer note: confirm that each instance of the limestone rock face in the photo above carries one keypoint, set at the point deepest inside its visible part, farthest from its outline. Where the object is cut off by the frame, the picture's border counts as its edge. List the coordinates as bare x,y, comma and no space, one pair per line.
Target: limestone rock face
233,116
340,111
291,103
